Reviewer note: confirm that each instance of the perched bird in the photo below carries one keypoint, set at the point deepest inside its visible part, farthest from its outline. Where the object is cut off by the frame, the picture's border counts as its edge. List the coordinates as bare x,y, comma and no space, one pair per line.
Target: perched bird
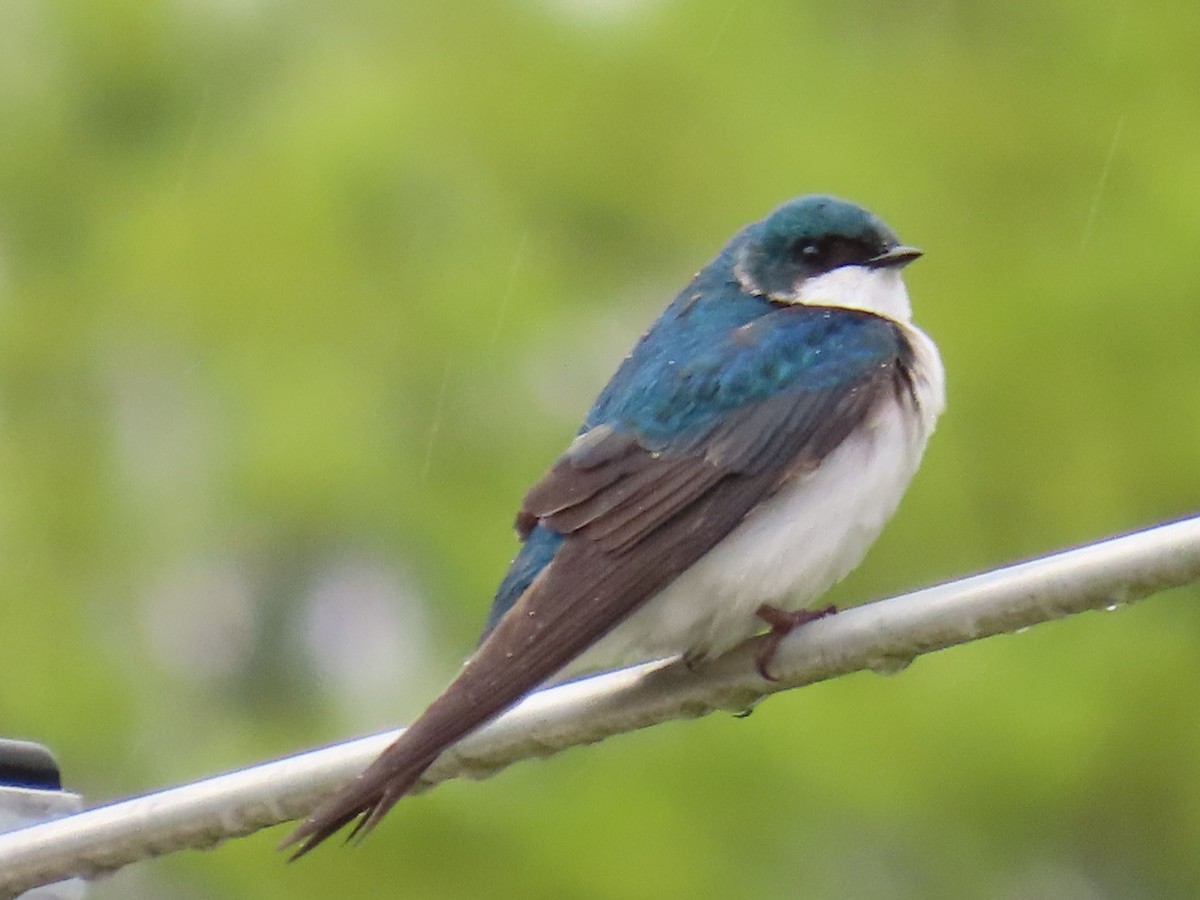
739,463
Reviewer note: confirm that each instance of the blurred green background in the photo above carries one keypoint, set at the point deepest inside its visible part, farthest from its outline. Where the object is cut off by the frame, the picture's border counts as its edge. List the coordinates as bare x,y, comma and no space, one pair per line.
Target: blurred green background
296,299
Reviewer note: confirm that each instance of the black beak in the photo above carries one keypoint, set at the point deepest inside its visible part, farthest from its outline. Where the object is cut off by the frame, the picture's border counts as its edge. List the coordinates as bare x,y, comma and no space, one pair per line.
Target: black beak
895,258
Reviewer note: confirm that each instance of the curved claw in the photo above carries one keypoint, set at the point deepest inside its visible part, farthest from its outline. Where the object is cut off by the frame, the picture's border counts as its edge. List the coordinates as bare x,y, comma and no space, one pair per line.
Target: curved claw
782,623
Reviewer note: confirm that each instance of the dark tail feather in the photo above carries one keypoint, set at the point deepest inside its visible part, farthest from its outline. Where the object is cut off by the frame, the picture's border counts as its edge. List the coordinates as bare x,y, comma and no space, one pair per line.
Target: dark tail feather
486,686
554,620
367,799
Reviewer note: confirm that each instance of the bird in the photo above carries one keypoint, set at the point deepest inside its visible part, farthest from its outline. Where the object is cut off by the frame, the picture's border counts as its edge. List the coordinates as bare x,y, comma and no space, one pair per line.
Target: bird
740,461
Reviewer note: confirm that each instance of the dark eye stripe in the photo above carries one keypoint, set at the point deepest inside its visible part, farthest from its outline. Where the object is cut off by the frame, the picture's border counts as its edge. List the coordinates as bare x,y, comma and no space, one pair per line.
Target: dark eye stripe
829,253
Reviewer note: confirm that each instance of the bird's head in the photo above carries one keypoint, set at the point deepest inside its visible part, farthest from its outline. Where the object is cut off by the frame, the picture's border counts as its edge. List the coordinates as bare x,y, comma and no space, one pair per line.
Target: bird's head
822,251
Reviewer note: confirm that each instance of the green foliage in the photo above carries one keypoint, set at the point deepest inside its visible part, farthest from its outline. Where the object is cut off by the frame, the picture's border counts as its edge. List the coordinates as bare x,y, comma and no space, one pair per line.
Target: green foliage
296,299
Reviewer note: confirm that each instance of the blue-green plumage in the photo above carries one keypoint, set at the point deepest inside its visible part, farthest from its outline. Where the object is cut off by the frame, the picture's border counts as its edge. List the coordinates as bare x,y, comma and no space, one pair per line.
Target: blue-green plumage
744,455
716,349
720,346
728,350
536,553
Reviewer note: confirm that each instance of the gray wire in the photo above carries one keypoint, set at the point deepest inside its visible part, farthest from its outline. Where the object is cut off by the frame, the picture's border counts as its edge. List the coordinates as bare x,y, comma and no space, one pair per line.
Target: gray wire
884,636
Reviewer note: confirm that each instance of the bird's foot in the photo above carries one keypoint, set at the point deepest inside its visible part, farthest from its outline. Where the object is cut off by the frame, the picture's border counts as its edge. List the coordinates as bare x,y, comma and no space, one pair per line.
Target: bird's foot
782,623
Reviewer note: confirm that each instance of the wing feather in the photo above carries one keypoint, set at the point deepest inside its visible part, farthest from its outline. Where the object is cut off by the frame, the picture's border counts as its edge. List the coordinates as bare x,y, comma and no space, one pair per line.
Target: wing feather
634,517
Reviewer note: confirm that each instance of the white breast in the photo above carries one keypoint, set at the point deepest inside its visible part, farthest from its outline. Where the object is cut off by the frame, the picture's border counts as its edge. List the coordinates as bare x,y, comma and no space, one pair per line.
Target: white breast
795,546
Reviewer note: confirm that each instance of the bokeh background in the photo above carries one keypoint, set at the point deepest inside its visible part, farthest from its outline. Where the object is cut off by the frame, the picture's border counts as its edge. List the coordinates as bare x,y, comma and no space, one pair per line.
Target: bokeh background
296,299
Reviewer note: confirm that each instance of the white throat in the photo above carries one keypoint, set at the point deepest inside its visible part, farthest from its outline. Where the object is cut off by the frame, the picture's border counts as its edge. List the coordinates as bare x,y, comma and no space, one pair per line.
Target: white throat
875,290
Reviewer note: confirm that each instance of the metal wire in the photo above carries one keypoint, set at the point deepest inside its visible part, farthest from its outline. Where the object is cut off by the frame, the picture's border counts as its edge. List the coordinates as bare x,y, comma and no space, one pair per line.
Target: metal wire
885,636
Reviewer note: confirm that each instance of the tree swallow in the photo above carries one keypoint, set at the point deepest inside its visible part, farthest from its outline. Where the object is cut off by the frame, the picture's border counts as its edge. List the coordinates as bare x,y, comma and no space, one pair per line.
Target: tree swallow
738,464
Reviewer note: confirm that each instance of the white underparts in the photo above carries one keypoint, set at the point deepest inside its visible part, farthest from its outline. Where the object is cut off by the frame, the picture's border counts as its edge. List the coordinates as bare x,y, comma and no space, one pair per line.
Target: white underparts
807,537
877,290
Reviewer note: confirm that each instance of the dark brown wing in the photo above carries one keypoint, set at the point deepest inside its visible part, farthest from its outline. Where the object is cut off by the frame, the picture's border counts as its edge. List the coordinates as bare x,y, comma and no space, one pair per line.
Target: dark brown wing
634,520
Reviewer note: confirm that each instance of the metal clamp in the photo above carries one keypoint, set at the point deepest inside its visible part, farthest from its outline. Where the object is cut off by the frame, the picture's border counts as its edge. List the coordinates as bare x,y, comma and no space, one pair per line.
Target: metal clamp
31,792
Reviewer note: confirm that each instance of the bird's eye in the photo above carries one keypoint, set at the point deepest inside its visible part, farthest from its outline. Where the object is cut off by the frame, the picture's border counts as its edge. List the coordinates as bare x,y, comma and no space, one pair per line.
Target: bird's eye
808,252
826,253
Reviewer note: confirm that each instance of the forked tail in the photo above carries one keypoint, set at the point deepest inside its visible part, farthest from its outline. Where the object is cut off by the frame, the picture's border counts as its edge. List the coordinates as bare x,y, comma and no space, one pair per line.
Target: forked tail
367,798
